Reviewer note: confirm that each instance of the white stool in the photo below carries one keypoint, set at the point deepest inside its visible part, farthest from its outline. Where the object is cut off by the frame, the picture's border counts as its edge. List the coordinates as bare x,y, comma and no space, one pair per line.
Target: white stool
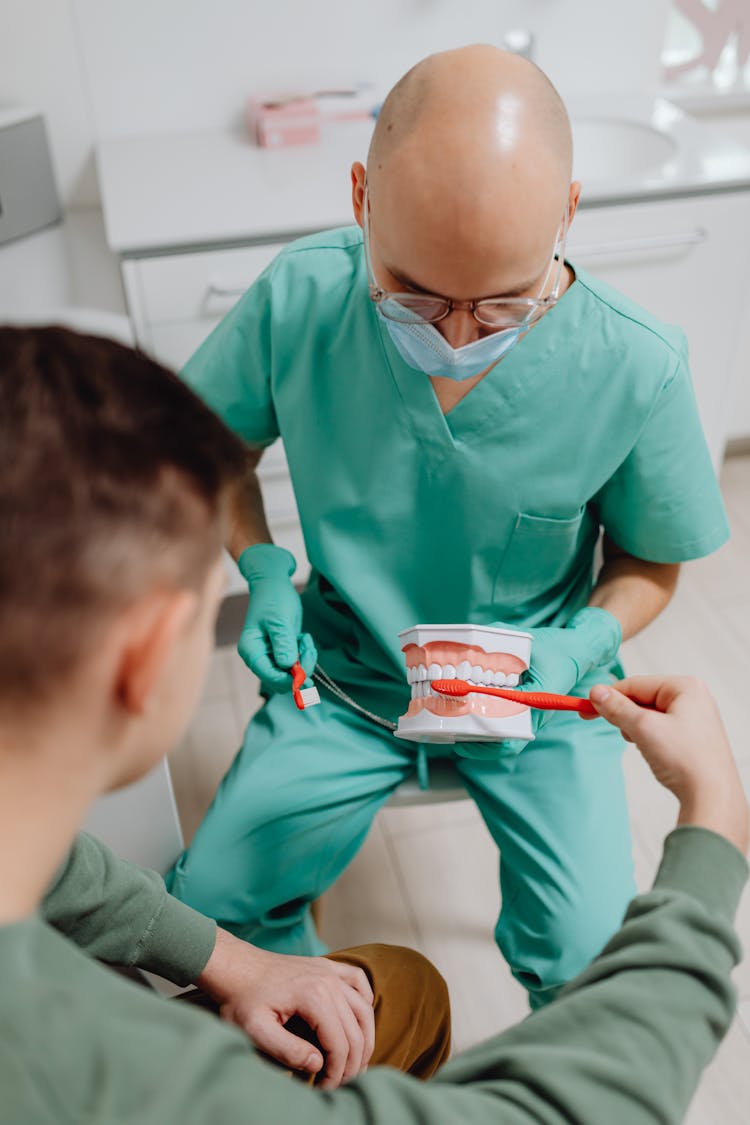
445,785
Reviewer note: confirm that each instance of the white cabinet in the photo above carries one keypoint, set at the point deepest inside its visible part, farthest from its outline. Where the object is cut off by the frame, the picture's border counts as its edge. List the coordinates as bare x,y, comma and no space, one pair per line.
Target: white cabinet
140,822
686,262
176,300
195,287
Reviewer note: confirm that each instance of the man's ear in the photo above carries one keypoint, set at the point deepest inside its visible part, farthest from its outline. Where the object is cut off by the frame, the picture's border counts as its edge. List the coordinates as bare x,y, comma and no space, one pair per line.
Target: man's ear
358,192
574,196
152,630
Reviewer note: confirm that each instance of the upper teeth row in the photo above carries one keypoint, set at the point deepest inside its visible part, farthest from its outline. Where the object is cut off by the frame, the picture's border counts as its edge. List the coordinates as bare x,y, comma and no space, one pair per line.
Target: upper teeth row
465,671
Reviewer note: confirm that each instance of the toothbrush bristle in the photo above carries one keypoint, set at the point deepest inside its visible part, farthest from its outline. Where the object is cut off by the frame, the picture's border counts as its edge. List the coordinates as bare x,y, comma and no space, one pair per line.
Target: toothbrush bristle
451,687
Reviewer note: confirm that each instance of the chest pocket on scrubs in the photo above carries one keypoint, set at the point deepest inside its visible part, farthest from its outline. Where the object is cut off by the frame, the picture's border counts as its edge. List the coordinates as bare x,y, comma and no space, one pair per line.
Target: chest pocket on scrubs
545,559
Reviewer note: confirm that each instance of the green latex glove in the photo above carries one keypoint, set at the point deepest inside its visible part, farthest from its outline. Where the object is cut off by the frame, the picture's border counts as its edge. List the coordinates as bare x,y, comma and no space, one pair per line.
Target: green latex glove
271,640
560,658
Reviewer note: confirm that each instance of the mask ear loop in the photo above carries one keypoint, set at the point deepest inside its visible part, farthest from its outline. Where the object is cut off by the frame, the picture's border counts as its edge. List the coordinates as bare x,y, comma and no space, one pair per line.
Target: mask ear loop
559,253
375,290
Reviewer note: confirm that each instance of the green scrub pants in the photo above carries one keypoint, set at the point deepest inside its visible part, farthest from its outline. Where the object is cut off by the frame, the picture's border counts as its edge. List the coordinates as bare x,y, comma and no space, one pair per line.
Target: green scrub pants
301,795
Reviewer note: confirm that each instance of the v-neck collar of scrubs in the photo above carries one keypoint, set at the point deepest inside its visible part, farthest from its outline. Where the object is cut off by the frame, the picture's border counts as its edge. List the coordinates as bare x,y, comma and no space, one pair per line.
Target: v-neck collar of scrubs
513,380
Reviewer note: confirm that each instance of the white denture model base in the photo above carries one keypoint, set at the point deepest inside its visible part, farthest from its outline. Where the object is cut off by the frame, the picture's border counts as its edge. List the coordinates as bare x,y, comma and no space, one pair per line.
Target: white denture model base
479,654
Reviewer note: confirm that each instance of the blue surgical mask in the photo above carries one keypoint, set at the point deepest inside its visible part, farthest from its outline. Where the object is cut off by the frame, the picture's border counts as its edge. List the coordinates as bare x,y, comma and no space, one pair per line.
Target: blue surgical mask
424,348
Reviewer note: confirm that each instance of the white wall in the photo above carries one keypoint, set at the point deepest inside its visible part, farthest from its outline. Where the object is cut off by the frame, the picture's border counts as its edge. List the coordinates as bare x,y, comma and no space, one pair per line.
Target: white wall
736,123
103,68
41,66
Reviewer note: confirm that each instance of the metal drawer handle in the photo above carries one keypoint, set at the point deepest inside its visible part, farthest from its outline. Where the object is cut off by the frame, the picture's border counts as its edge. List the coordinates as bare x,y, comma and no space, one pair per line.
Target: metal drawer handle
637,245
216,289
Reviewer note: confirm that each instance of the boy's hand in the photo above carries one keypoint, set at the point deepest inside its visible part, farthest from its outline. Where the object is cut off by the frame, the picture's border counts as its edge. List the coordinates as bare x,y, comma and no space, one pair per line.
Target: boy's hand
679,731
261,991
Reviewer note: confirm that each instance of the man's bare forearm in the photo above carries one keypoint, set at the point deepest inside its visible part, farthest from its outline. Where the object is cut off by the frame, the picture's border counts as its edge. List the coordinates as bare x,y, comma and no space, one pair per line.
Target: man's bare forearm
248,524
632,590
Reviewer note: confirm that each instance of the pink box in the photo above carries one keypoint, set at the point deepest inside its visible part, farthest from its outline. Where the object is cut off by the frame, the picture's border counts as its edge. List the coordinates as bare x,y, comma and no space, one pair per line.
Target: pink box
279,121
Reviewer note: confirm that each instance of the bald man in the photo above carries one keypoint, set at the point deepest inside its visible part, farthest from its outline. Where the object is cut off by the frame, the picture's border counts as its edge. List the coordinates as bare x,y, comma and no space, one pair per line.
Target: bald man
463,412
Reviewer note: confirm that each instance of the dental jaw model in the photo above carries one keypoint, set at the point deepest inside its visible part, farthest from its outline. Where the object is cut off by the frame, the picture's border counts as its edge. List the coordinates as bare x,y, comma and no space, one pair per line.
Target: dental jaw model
481,655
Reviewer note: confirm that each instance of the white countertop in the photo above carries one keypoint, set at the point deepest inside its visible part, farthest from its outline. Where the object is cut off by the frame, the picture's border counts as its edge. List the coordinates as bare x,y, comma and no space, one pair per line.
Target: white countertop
191,190
64,267
217,187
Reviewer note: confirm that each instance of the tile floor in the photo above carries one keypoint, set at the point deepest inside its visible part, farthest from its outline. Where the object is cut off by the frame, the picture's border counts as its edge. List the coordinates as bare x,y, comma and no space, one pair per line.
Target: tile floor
426,876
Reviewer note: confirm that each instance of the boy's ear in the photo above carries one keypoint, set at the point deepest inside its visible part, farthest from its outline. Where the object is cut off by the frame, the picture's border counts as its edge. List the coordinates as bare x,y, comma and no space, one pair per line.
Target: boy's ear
153,629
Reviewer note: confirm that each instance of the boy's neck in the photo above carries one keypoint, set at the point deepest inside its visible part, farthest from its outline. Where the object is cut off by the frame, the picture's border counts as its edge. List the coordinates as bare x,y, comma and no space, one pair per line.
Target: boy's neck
44,796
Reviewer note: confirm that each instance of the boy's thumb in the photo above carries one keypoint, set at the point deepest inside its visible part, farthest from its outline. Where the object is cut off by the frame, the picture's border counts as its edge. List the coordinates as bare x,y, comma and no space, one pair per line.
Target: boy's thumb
616,708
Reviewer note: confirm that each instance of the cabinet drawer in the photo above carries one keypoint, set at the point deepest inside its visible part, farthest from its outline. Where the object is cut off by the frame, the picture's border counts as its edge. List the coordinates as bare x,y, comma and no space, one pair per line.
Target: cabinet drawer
203,285
173,344
278,499
273,464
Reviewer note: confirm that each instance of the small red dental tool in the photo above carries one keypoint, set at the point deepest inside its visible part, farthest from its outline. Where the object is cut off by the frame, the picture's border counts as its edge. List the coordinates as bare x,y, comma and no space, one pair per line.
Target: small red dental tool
541,700
307,697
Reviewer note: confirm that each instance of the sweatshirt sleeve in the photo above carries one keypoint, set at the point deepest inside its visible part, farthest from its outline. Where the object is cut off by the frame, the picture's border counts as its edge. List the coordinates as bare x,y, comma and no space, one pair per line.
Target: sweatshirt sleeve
123,914
628,1039
624,1044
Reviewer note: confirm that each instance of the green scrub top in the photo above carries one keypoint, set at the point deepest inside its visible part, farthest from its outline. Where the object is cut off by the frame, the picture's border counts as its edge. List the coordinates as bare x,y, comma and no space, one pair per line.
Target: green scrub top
490,513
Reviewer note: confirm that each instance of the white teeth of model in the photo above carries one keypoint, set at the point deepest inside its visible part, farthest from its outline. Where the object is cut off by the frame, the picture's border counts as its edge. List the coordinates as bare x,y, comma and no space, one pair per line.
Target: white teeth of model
487,678
498,679
422,672
434,672
449,672
464,670
420,690
410,675
476,674
413,691
513,680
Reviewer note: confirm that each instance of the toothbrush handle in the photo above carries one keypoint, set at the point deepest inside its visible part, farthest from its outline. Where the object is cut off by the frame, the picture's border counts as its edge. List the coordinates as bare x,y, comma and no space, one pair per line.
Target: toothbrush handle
547,701
298,675
541,700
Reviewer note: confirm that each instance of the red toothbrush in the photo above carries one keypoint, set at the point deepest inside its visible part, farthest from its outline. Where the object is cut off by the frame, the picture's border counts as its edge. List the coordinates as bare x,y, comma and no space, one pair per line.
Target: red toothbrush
542,700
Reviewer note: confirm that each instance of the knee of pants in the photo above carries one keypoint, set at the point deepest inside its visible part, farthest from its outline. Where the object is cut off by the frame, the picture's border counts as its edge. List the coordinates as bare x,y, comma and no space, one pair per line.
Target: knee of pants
547,951
239,891
412,1007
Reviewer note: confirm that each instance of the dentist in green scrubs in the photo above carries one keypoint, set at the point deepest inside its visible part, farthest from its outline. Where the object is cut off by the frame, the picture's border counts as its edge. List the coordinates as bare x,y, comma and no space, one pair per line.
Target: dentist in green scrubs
463,412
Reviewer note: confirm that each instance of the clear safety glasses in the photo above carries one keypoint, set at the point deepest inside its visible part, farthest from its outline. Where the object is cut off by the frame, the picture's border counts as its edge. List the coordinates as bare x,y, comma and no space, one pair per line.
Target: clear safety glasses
491,312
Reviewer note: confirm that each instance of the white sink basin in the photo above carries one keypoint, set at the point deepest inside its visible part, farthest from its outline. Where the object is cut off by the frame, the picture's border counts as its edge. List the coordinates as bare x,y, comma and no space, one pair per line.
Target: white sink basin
606,149
639,148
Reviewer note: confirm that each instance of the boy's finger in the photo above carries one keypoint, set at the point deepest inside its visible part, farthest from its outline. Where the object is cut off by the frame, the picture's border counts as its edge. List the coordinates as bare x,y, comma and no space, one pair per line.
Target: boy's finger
287,1048
617,709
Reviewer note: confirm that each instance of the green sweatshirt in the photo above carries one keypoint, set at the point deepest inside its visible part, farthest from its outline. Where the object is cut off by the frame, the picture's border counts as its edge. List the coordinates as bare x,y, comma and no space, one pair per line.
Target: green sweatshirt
123,915
624,1044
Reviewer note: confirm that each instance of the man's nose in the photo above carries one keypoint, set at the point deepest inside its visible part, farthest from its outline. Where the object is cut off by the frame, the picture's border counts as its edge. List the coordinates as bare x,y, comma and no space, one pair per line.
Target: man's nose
459,327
